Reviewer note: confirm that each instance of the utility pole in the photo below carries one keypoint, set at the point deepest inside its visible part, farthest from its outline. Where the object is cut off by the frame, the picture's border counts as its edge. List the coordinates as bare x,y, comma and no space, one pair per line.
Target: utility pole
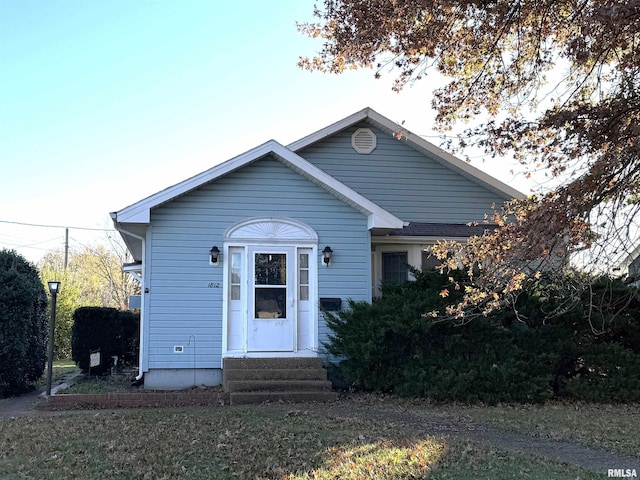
66,248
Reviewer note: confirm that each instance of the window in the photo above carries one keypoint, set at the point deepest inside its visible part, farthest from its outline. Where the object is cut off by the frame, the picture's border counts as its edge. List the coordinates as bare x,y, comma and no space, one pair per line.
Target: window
395,268
429,261
270,285
235,277
303,276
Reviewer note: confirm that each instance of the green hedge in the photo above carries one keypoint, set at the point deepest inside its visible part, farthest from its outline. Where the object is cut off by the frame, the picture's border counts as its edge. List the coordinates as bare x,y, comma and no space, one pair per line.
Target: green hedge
23,323
112,331
390,346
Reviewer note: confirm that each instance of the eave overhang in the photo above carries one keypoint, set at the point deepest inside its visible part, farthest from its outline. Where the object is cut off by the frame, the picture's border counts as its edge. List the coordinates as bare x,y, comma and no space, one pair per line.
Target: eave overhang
139,213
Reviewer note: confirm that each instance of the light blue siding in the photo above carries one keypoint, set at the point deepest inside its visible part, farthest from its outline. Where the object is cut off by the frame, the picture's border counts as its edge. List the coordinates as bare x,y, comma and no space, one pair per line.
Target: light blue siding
402,180
181,304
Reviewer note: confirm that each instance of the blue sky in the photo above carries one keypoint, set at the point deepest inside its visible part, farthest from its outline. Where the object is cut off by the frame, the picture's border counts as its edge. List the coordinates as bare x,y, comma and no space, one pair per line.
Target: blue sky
104,102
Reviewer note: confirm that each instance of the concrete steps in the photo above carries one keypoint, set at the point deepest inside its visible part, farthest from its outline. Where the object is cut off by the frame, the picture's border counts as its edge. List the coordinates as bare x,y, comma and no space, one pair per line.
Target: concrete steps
258,380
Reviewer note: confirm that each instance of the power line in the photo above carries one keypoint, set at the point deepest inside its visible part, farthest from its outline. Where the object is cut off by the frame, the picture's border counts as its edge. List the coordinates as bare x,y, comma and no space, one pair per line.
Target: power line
43,241
26,246
57,226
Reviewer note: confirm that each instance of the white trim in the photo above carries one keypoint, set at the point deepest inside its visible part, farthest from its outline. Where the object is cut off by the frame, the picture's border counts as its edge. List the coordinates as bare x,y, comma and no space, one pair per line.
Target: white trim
249,239
145,333
301,353
225,298
374,118
270,230
414,258
135,270
132,268
314,294
243,298
378,217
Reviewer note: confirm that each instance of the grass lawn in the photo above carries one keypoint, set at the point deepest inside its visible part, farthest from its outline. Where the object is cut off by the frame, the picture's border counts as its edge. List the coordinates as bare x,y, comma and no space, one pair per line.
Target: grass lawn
605,427
102,384
230,442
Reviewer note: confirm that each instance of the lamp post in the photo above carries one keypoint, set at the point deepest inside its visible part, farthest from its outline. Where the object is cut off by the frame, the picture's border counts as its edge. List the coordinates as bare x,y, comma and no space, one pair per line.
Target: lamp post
54,288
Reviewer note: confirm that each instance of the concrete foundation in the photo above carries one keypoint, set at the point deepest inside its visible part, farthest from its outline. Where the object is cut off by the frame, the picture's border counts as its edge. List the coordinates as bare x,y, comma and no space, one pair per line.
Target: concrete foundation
180,378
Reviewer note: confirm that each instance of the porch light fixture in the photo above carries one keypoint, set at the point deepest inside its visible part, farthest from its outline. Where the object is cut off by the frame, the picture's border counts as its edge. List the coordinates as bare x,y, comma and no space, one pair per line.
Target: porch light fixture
54,289
327,253
215,255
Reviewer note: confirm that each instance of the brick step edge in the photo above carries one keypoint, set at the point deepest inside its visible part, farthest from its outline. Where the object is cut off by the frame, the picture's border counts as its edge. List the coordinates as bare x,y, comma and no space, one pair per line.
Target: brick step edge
231,363
233,386
274,374
248,398
132,400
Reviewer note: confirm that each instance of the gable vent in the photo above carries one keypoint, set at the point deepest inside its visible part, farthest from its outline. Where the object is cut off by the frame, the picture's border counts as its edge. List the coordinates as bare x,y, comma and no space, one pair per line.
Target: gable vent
363,140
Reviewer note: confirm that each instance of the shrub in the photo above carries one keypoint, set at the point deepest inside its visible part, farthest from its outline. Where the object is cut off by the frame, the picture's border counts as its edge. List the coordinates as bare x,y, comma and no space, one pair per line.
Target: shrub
607,372
23,323
390,346
474,362
112,331
375,340
597,336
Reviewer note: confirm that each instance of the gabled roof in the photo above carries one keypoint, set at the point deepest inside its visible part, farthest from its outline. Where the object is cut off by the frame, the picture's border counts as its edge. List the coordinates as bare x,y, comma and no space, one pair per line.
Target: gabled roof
374,118
140,212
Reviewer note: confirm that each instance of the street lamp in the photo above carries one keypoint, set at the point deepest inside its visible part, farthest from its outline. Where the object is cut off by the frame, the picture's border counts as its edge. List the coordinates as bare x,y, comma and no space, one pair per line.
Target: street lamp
54,288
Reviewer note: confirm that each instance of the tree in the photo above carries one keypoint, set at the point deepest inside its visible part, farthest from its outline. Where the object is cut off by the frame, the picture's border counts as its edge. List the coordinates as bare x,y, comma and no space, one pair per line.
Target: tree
555,83
106,263
93,278
67,301
23,323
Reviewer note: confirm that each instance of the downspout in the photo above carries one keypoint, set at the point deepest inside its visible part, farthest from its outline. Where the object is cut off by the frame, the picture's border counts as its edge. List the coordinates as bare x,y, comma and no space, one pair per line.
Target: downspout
114,217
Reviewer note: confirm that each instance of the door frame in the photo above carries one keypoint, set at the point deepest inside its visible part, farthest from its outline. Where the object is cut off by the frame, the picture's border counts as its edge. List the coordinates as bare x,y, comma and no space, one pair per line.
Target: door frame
271,233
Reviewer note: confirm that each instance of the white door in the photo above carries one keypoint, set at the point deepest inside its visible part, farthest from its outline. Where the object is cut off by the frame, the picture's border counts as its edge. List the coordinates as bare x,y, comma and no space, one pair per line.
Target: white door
271,304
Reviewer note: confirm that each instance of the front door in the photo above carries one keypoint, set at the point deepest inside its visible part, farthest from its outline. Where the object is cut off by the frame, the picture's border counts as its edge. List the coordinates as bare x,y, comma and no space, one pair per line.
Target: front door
271,299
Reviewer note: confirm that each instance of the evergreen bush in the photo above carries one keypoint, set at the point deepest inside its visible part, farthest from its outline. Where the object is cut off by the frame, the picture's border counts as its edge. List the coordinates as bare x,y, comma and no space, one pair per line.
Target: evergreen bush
111,331
607,372
391,346
23,323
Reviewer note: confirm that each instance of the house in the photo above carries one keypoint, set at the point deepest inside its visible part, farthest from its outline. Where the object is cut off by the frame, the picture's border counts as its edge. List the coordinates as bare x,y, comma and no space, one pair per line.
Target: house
238,260
628,268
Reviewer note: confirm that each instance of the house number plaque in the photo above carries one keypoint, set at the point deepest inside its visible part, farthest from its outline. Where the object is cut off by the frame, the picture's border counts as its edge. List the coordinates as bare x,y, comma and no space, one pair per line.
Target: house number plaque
213,285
